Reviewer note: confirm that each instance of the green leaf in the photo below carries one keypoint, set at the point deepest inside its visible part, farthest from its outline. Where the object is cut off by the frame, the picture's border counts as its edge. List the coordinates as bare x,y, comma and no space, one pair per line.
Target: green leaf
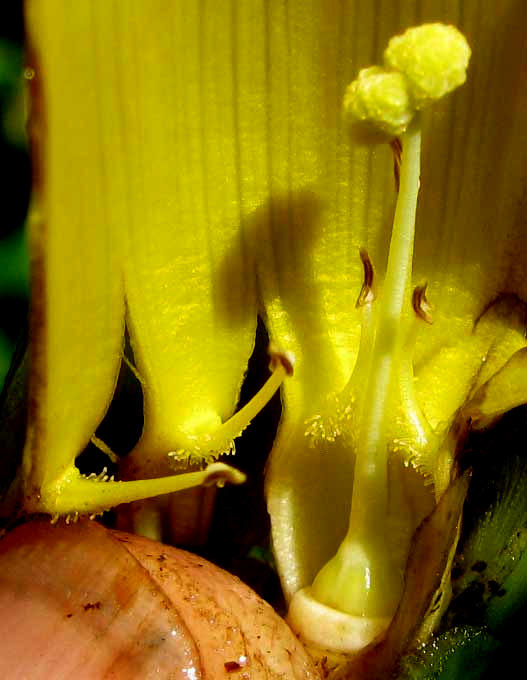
460,654
490,571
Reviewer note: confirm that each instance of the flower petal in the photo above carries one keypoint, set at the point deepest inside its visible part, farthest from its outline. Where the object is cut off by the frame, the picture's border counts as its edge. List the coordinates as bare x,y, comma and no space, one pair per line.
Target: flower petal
77,316
189,284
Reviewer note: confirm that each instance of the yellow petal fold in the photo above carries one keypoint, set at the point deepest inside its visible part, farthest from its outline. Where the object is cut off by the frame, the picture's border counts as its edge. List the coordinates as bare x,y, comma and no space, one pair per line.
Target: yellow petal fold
77,306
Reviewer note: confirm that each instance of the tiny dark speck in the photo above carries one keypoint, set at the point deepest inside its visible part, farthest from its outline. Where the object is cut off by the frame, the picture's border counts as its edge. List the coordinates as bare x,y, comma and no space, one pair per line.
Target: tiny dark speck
68,616
231,666
161,558
91,605
479,566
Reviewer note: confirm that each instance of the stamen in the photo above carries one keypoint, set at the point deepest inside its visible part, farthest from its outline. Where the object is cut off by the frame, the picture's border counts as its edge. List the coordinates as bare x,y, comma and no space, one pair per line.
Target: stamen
222,440
420,304
285,359
88,496
338,409
134,370
104,448
367,292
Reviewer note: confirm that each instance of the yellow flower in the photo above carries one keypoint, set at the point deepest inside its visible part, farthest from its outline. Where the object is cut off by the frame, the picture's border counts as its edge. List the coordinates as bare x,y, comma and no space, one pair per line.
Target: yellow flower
194,165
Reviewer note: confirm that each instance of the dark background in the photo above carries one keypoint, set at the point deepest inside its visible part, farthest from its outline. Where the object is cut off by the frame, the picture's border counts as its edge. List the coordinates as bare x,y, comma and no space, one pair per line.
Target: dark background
14,183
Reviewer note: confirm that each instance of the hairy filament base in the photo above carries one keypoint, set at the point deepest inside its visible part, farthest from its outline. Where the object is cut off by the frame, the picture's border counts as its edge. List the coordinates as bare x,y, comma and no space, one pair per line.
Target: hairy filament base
77,494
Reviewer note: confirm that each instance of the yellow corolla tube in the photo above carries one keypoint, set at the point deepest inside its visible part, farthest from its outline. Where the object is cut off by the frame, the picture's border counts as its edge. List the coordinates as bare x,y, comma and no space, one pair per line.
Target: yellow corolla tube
135,216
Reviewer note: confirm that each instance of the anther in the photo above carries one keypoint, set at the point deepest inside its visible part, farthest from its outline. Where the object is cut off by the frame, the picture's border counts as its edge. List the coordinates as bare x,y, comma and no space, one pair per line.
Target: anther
284,359
367,292
422,307
218,474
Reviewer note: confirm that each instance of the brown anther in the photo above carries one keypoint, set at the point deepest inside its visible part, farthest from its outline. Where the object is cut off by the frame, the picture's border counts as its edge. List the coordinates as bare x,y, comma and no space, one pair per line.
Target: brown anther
219,478
397,149
420,303
367,292
285,359
215,478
